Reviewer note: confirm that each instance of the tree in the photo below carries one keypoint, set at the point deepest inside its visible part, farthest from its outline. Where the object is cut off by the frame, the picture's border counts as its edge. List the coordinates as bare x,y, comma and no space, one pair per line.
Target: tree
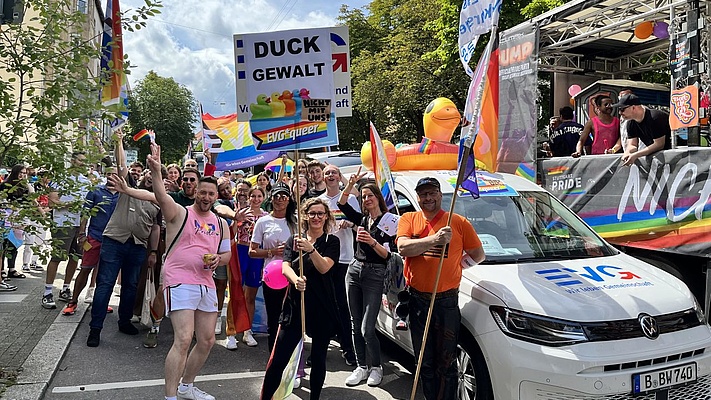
166,107
49,88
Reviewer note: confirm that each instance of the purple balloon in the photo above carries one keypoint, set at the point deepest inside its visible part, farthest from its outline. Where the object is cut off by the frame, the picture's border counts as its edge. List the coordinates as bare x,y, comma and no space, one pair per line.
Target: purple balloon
661,30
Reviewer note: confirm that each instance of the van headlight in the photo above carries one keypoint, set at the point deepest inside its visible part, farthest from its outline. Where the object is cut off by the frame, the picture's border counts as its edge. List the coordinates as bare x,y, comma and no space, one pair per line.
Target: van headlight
537,329
699,311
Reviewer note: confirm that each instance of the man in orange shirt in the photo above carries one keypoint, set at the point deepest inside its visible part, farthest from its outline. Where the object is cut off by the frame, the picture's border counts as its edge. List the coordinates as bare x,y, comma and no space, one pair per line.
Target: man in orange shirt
421,238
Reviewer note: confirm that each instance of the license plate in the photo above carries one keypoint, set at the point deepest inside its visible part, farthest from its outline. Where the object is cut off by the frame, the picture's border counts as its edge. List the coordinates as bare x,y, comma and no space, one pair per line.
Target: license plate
664,378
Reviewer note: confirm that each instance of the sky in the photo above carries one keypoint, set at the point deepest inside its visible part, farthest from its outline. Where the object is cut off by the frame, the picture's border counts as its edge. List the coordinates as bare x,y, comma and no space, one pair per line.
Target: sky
191,41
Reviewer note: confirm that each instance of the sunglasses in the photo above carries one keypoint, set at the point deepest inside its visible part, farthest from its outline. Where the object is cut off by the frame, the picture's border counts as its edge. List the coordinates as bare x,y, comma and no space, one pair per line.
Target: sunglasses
622,109
191,165
189,179
280,196
318,215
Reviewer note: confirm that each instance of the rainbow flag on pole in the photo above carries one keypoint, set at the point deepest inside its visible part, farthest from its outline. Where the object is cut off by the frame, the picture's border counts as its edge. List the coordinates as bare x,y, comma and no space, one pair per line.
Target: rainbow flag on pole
381,169
114,90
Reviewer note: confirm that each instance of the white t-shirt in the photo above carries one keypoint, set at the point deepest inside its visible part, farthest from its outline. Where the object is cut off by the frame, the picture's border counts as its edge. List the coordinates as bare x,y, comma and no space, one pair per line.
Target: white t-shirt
344,235
270,232
63,216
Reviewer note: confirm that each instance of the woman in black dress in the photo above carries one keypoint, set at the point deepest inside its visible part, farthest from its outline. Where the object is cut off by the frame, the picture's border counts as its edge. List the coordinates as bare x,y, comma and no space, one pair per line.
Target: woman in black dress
319,252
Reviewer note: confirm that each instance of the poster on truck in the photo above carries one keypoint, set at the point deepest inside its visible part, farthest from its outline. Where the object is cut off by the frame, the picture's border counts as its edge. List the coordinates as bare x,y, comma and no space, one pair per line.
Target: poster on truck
662,201
518,84
285,88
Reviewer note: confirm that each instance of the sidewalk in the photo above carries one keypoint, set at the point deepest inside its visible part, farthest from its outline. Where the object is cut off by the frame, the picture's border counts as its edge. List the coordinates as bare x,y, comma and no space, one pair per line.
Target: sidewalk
33,340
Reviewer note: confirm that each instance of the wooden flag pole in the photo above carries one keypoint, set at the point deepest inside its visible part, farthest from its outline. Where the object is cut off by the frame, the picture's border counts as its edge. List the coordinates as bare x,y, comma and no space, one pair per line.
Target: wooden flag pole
301,253
460,178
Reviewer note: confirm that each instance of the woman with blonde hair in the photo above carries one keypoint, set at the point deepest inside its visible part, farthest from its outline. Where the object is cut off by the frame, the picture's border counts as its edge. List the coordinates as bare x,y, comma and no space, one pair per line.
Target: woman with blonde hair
319,251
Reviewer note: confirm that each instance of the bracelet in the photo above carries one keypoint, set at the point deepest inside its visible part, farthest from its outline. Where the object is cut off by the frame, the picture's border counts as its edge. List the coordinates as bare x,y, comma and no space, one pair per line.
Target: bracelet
375,243
269,253
308,253
154,251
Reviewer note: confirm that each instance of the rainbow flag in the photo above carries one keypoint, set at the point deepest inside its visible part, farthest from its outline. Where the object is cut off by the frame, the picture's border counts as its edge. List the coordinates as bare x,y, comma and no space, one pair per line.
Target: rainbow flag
381,169
113,78
426,146
145,133
289,375
232,141
482,110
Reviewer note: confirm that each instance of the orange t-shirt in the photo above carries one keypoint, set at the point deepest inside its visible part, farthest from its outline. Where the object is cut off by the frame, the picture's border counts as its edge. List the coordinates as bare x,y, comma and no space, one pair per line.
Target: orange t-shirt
421,271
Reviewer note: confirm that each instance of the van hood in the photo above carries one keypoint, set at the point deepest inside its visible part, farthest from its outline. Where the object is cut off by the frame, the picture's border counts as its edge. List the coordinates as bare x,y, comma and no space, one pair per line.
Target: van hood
584,290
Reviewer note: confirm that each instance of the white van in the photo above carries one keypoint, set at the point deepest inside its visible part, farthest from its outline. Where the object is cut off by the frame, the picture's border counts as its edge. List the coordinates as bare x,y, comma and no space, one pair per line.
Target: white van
557,313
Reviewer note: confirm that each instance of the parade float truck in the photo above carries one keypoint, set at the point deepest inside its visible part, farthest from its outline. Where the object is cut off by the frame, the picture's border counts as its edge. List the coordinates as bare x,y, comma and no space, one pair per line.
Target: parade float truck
659,209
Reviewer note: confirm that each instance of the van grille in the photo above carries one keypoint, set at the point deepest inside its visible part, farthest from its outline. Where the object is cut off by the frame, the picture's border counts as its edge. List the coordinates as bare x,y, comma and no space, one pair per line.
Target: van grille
631,328
653,361
699,390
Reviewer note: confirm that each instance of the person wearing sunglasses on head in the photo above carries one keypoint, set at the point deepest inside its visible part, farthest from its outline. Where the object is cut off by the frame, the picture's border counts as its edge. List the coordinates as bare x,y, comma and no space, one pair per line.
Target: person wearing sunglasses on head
319,253
645,125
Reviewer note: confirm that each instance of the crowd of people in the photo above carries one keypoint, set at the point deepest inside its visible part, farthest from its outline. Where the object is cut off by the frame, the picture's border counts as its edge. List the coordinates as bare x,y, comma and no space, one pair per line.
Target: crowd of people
199,235
637,132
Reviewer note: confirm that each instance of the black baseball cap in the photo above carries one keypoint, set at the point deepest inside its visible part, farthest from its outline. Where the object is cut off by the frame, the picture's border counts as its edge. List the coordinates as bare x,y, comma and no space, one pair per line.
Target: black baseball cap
627,100
281,187
427,181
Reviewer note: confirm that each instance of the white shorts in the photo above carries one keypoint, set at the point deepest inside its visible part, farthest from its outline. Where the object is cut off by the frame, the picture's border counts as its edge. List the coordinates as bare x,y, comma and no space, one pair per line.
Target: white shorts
190,297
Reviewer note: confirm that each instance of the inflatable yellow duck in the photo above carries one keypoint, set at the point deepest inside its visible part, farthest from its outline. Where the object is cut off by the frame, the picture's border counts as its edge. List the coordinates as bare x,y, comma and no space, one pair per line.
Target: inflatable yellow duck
440,120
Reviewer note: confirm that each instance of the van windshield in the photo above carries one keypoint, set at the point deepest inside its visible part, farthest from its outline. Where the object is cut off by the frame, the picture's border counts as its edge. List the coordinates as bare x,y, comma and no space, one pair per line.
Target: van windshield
533,226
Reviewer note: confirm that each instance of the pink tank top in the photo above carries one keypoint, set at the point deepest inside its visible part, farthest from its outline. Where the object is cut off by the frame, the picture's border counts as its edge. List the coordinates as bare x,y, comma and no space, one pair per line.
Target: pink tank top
184,264
605,136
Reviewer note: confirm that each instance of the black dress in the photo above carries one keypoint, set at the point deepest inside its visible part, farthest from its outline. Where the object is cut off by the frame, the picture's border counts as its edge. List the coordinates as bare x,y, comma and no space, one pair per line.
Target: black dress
321,309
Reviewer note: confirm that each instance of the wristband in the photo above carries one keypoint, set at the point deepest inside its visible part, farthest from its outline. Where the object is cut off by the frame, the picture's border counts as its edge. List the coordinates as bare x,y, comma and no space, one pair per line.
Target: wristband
375,243
308,253
154,251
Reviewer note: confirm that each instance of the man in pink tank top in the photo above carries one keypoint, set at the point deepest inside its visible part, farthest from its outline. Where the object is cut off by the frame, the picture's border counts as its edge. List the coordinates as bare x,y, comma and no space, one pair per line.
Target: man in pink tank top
198,241
605,130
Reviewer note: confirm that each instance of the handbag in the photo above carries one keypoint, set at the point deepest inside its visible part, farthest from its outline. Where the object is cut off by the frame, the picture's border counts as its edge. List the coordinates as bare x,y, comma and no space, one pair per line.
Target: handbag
148,297
393,268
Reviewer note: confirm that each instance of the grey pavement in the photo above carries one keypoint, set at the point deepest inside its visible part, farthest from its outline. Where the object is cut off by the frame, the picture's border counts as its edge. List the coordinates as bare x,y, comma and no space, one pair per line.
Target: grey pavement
33,340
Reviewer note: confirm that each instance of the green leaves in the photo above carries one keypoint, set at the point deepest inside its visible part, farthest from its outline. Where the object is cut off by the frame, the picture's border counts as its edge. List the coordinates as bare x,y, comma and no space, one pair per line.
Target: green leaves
168,108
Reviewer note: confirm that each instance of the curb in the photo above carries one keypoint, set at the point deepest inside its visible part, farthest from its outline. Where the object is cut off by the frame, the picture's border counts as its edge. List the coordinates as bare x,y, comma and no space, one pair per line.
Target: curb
39,368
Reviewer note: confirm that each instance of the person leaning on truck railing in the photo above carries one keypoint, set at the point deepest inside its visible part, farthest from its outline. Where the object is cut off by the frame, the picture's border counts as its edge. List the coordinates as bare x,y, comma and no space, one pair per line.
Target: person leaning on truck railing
421,238
647,125
604,128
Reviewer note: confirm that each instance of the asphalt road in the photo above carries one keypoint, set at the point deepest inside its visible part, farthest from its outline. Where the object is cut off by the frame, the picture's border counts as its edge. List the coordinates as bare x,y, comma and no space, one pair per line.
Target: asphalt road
121,368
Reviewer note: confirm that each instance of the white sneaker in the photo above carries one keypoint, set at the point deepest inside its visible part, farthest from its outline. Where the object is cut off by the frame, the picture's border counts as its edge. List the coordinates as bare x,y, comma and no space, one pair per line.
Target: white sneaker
249,339
195,394
89,298
357,376
135,319
231,343
218,325
297,383
375,376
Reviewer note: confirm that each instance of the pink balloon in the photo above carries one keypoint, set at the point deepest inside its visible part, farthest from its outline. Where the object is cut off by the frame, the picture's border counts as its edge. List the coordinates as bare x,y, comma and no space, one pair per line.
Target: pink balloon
574,89
661,30
273,276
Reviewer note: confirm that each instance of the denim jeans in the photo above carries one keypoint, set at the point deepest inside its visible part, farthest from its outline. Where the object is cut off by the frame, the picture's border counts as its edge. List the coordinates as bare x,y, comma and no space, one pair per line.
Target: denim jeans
438,374
365,291
116,256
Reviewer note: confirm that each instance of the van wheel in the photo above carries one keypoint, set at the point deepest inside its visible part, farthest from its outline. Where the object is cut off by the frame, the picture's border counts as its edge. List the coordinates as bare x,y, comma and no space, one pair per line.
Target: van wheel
474,381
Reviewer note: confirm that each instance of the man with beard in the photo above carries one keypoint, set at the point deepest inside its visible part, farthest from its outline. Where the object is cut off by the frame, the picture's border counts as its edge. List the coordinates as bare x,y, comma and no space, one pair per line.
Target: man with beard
131,235
422,237
135,170
344,232
318,185
190,295
186,196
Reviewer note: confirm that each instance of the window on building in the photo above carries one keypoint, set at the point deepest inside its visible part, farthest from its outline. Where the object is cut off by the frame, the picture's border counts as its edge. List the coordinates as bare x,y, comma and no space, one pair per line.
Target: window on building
81,6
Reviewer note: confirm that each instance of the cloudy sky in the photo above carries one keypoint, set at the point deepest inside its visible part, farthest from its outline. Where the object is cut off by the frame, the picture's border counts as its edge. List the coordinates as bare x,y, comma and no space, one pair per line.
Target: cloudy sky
191,41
